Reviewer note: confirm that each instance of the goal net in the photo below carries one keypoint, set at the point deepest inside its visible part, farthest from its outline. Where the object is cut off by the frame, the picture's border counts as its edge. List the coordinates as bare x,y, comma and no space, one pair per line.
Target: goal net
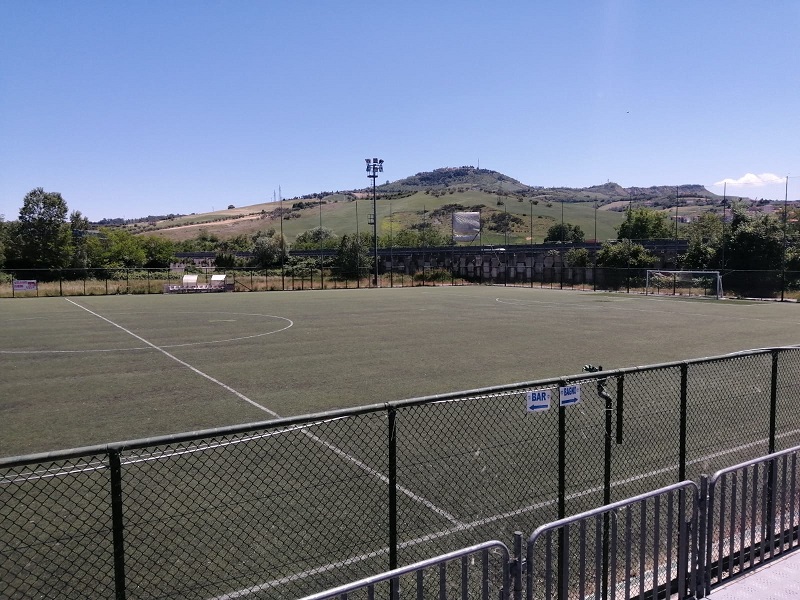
684,283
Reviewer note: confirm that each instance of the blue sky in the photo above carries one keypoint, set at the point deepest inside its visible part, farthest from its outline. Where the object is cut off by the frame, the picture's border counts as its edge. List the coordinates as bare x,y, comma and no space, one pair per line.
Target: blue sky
146,107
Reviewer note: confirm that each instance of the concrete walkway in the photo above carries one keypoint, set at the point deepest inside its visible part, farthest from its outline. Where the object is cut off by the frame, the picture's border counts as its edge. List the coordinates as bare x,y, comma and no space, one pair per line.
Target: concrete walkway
777,579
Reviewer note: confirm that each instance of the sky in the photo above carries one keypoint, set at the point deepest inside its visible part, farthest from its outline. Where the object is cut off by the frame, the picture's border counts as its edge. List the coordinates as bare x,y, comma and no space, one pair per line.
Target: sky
140,108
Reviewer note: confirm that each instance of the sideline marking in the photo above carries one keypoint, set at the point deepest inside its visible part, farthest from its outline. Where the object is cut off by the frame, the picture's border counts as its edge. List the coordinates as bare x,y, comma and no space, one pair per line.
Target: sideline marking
578,306
338,451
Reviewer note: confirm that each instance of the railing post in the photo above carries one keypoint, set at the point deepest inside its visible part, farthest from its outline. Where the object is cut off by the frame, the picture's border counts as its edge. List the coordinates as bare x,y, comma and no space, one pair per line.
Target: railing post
683,426
702,580
516,566
117,523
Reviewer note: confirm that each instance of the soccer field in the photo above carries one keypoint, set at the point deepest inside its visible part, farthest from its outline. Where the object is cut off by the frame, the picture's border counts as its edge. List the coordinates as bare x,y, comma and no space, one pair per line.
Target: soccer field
282,509
89,370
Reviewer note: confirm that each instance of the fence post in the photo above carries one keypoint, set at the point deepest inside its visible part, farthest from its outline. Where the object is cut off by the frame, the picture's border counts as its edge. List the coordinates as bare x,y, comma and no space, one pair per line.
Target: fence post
562,488
606,483
684,409
117,523
393,494
60,282
773,402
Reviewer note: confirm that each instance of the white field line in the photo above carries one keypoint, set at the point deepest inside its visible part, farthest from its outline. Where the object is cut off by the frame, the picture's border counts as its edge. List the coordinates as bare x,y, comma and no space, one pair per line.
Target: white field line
603,307
179,361
467,526
339,452
150,346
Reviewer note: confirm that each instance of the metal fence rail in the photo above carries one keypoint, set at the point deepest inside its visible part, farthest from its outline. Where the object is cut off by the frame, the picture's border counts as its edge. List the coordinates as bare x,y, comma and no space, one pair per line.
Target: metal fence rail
642,547
753,514
456,574
288,507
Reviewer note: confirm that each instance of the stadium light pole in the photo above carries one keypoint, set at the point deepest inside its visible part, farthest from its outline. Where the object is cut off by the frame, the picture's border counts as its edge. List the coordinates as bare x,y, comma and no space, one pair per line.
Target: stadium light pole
374,167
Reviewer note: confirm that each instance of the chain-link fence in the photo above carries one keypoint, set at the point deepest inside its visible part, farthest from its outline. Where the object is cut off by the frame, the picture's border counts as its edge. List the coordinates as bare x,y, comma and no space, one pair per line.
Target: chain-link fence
414,270
293,506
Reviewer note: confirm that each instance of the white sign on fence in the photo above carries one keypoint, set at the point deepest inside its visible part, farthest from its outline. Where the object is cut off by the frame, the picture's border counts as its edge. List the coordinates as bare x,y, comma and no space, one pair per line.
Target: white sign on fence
538,400
569,395
24,285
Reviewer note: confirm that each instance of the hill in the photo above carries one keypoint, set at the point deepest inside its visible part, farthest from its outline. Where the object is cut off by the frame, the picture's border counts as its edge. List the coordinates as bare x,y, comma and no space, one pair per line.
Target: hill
426,200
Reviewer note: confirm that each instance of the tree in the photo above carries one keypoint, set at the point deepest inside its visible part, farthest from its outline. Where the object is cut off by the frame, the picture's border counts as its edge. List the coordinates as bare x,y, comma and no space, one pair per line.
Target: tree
79,227
619,258
5,231
268,247
158,252
577,257
316,238
353,257
705,243
756,242
625,254
644,224
124,250
564,233
43,236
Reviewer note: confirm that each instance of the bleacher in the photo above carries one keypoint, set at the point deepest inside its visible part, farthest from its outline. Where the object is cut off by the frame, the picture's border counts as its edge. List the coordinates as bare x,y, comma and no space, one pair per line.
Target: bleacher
189,285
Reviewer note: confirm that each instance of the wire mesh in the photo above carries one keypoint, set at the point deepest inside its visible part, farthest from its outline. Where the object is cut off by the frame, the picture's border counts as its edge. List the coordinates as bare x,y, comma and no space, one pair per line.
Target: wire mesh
56,538
293,507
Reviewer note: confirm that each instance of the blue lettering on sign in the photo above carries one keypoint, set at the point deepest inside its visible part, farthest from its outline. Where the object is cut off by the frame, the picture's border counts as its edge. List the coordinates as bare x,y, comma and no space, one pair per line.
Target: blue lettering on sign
538,400
569,395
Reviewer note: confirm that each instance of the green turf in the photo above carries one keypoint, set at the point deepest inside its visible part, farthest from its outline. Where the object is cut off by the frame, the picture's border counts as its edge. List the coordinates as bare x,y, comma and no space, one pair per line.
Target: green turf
213,516
71,378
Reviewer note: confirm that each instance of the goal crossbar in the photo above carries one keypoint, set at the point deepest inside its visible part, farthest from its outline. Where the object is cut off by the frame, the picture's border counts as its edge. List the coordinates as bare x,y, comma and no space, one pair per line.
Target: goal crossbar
684,283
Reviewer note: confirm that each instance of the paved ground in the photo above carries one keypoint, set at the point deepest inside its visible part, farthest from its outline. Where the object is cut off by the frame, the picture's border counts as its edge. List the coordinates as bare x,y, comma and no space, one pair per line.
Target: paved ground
778,579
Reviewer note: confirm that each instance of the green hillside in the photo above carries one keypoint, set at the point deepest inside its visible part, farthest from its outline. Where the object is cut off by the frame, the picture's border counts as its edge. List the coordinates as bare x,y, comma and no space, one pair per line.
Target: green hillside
418,201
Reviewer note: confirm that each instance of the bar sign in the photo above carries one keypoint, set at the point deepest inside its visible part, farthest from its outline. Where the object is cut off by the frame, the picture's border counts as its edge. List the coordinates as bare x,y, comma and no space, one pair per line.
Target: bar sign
538,400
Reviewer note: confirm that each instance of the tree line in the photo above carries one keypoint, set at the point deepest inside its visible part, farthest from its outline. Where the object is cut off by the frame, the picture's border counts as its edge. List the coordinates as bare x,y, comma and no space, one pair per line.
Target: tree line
47,236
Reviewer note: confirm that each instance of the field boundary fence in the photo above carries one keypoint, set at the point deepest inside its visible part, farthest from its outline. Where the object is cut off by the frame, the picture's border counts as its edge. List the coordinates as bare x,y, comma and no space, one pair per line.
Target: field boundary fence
510,269
288,507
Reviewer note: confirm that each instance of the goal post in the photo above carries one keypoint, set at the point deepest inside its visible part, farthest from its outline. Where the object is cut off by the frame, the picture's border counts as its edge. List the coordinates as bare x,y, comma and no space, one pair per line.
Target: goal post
684,283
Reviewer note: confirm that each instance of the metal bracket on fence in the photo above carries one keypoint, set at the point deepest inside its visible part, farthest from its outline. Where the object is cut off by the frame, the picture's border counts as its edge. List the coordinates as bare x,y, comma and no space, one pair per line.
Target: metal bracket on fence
601,383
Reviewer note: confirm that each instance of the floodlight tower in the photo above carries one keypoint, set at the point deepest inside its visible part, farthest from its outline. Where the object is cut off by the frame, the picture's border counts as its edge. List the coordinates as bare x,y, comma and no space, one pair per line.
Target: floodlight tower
374,167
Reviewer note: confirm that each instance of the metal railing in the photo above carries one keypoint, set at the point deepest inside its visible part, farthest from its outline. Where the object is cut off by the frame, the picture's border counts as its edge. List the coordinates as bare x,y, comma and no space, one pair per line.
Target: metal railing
753,514
641,547
436,577
674,542
288,507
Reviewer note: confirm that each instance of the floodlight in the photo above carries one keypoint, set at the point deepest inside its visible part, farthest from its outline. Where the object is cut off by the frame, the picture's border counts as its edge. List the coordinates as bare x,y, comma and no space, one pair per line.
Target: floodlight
373,168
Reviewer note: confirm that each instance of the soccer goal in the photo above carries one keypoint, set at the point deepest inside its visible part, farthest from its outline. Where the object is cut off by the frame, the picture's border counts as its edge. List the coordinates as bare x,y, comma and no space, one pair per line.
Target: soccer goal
684,283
